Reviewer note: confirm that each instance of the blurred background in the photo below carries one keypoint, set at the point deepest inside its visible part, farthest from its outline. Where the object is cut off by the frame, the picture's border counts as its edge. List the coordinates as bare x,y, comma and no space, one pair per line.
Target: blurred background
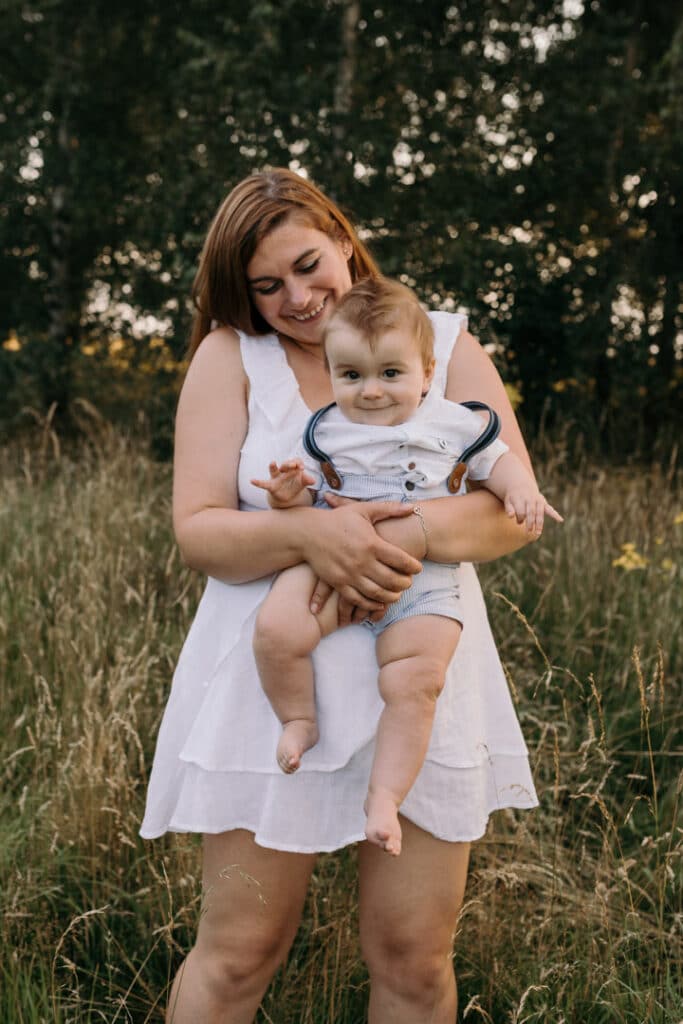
520,161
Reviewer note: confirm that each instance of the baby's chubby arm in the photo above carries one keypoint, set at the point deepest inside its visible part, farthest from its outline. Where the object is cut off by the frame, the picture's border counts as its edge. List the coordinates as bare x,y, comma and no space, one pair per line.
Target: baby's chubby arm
512,482
287,485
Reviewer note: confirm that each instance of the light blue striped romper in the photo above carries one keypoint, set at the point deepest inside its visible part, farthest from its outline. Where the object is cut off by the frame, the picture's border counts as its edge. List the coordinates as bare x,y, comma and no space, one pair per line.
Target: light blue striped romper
440,435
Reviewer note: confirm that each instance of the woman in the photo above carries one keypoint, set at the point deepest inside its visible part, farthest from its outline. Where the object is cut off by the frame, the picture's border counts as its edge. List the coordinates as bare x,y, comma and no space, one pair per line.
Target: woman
278,256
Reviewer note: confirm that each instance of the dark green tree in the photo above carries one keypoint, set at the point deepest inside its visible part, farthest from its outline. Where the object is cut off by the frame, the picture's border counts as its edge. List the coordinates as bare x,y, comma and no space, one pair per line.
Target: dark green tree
517,159
87,122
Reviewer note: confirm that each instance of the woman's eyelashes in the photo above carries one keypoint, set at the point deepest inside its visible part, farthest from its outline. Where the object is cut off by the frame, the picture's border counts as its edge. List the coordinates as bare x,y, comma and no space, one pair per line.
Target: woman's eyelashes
270,289
308,268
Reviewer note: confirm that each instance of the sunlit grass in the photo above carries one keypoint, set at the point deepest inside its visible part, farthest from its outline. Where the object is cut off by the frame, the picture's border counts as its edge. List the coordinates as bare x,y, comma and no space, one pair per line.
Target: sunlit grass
574,912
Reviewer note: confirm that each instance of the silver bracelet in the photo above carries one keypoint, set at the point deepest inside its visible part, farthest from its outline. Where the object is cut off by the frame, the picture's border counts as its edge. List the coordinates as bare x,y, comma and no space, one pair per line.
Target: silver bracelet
417,511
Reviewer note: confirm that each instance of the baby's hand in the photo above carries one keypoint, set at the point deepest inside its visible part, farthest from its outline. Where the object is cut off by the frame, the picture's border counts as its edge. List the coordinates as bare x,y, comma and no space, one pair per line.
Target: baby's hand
286,484
528,506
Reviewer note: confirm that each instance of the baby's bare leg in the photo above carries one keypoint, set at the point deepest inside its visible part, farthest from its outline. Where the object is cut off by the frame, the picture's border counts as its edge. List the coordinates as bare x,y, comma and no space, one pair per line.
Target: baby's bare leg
413,655
285,635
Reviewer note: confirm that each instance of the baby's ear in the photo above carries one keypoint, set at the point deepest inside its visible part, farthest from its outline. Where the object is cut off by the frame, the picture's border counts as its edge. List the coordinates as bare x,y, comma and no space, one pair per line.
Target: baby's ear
429,371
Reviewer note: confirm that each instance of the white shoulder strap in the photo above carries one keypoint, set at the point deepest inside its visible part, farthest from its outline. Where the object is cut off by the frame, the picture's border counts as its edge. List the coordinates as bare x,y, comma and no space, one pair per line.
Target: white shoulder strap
272,385
447,327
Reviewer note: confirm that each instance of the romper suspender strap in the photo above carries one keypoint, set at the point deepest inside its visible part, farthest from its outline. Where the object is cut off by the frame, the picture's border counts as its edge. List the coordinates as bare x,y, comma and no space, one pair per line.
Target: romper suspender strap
334,479
326,467
487,436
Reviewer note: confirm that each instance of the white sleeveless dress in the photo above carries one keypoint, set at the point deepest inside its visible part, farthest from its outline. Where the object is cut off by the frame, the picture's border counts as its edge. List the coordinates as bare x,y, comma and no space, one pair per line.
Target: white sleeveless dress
214,767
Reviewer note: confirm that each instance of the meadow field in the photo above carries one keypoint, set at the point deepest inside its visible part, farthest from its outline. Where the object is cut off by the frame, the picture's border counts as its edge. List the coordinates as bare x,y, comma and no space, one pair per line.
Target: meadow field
574,912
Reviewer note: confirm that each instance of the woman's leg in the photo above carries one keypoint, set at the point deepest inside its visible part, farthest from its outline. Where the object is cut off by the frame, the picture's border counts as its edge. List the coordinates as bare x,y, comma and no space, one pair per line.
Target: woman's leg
285,635
253,898
409,908
413,655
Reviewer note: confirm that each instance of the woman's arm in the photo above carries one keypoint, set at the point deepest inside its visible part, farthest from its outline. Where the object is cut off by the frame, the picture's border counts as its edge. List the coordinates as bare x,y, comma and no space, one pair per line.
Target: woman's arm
214,537
471,527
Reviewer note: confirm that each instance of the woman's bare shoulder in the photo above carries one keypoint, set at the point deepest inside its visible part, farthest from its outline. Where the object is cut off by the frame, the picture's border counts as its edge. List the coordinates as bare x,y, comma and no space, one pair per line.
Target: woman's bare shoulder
216,365
221,347
470,370
211,424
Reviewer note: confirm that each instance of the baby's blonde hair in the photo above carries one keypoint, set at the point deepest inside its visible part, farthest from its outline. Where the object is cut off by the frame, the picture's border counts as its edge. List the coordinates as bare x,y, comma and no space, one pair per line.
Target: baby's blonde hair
378,304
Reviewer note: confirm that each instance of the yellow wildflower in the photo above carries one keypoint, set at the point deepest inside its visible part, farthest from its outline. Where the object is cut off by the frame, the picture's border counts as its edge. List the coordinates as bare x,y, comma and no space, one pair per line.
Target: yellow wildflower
678,519
630,559
667,564
12,343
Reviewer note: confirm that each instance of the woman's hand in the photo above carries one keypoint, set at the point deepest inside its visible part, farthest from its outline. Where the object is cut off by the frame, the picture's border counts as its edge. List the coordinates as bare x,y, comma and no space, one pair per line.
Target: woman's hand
349,556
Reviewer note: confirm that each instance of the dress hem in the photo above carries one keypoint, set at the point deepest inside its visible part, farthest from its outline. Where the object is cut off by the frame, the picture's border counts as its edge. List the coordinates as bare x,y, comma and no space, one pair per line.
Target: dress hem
180,829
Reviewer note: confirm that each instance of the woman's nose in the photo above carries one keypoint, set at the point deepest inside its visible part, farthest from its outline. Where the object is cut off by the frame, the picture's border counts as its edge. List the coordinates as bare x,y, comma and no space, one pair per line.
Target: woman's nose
298,294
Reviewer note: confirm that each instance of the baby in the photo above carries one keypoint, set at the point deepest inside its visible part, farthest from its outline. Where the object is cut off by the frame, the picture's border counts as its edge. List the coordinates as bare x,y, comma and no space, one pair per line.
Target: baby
385,437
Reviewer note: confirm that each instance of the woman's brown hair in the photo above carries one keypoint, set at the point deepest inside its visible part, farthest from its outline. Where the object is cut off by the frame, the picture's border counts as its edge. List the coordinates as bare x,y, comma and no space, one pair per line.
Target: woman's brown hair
254,208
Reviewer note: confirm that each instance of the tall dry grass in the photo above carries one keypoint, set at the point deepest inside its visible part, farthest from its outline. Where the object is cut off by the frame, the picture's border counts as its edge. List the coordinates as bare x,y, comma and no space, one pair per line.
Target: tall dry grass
574,912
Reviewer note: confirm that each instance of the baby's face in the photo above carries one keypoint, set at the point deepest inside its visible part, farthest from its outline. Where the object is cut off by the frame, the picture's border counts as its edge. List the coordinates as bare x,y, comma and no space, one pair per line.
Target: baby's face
382,385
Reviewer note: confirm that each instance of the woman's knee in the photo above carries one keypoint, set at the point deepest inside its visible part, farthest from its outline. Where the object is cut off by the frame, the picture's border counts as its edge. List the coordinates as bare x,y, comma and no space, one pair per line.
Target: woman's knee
409,965
232,970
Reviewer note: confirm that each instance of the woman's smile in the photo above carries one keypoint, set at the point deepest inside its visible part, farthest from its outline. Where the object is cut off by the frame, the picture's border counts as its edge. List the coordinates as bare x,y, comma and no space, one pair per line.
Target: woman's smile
296,276
311,315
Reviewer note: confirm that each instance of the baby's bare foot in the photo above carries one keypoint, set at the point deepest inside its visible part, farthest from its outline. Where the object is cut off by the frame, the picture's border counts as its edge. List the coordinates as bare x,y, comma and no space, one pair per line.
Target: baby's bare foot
298,736
382,827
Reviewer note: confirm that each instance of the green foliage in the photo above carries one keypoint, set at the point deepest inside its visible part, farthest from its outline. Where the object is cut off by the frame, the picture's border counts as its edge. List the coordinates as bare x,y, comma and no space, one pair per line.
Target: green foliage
516,159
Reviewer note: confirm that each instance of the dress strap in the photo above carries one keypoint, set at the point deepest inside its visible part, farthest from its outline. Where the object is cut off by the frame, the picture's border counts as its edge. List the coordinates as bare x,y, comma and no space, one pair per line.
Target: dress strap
272,385
447,327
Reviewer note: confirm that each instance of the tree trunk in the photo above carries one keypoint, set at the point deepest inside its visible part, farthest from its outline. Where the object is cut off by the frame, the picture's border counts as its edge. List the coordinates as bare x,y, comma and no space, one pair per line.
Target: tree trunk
343,89
616,143
63,321
62,295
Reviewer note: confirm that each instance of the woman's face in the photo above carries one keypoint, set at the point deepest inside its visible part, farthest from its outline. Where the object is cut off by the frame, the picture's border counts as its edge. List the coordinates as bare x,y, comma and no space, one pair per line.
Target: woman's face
296,276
